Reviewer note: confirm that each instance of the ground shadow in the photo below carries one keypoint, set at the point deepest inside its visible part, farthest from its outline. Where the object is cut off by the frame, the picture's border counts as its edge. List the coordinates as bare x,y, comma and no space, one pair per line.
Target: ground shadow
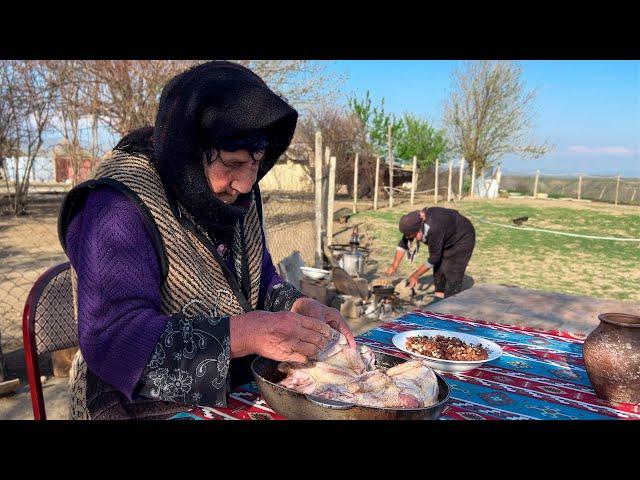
15,366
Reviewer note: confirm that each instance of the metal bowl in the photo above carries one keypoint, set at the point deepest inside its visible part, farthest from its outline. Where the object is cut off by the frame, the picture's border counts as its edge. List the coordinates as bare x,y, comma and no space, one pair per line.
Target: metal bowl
298,406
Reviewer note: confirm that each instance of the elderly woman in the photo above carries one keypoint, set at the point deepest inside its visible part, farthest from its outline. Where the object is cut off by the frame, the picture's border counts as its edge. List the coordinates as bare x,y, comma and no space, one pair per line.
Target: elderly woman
175,289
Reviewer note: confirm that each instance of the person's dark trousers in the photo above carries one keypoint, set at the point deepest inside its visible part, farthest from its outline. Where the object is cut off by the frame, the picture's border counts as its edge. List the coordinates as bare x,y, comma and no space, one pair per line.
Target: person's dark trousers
444,285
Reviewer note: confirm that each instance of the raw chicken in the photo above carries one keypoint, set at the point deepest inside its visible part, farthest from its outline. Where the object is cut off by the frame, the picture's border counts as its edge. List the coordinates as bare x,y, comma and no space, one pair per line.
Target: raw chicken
349,375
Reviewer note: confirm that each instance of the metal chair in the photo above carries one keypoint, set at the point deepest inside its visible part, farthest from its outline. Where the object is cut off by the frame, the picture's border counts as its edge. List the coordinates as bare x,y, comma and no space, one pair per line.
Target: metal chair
48,324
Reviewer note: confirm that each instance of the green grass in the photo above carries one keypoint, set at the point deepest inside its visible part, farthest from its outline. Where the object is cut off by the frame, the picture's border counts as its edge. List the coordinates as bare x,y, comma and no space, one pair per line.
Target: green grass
543,261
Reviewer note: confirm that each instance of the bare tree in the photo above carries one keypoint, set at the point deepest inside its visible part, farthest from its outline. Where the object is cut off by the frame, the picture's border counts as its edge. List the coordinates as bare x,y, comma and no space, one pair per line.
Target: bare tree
28,100
8,140
73,108
304,83
129,90
489,113
344,133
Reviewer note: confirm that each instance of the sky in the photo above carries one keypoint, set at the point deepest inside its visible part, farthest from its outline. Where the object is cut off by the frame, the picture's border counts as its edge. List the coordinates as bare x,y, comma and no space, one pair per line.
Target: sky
588,110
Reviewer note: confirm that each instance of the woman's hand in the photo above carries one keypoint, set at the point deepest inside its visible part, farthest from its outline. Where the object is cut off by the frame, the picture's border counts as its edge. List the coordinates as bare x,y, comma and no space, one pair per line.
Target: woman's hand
391,270
313,308
280,336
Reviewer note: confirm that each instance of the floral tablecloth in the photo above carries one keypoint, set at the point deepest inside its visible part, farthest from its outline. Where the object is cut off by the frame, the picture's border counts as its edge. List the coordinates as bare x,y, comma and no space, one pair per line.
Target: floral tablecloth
540,375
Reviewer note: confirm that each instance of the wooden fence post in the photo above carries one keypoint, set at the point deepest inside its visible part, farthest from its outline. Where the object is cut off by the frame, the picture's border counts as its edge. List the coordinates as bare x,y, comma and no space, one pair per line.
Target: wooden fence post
460,179
332,192
450,174
319,211
473,178
435,186
413,179
617,188
535,184
580,187
390,160
375,191
325,188
355,185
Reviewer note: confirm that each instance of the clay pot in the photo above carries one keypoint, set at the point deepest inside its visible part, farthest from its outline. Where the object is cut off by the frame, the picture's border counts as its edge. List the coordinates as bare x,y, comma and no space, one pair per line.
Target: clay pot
612,357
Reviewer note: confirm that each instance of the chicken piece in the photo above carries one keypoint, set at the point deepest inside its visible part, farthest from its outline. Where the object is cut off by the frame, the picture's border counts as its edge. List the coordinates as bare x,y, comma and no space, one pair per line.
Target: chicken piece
335,344
349,375
417,379
336,392
339,354
378,389
373,381
368,357
300,381
321,373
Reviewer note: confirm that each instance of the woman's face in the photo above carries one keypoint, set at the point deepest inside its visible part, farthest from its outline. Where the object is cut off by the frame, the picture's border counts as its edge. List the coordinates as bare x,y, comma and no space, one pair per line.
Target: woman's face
232,173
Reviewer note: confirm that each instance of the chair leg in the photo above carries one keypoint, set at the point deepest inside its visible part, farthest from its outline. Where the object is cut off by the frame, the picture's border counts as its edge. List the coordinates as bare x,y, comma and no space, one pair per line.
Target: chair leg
35,387
33,371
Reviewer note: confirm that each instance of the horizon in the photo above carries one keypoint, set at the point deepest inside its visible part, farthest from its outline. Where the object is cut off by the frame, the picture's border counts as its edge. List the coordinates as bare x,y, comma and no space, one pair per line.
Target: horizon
588,109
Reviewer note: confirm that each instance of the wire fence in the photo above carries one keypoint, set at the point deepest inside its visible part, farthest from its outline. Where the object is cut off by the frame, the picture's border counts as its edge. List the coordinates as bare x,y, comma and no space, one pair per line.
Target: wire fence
610,189
290,224
29,241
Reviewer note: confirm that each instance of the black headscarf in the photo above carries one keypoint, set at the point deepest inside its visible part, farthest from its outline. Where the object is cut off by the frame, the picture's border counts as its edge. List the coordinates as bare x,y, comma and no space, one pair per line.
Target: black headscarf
202,106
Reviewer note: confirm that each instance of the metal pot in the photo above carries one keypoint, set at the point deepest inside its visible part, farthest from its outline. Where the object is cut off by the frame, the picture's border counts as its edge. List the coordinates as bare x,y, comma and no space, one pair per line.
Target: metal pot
353,262
298,406
358,257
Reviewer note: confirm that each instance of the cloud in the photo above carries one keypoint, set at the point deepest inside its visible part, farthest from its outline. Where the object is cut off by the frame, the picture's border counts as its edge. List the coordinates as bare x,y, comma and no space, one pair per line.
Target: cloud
617,151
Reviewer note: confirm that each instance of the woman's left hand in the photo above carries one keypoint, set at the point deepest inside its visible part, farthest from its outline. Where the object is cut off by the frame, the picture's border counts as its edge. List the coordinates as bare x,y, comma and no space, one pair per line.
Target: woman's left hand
312,308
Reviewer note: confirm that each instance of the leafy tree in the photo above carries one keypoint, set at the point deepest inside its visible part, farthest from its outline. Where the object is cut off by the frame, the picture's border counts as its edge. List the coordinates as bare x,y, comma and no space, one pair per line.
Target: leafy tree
376,124
489,113
417,137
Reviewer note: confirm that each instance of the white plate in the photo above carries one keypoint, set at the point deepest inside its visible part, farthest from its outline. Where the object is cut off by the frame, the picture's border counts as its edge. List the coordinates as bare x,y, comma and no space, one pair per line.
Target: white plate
315,273
441,365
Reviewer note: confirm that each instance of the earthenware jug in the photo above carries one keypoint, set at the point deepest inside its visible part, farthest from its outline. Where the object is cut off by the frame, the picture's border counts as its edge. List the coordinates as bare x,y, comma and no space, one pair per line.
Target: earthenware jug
612,357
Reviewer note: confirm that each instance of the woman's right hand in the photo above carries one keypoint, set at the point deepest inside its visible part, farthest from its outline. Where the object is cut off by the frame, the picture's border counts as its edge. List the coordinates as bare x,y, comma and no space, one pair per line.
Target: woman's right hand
391,270
281,336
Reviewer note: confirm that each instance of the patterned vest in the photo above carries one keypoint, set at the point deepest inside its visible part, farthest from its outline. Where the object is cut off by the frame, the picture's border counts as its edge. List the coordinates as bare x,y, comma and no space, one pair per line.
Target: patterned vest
195,282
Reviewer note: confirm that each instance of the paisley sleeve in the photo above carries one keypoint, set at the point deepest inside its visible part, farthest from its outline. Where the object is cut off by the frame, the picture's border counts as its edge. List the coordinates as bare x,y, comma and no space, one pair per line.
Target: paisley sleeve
281,296
190,362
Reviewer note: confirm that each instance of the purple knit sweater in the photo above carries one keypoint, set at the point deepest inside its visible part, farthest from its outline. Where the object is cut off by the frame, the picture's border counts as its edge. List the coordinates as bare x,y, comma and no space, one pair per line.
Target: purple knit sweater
119,320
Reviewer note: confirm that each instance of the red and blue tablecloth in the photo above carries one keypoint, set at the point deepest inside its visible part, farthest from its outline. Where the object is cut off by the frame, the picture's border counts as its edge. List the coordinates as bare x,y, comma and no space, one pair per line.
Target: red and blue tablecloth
540,376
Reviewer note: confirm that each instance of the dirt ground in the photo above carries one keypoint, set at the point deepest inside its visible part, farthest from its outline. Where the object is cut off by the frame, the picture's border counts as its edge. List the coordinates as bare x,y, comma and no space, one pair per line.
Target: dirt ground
28,246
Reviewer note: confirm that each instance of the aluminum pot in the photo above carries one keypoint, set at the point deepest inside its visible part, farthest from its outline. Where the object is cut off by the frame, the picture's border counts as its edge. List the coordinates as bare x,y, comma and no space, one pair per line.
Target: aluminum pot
353,263
298,406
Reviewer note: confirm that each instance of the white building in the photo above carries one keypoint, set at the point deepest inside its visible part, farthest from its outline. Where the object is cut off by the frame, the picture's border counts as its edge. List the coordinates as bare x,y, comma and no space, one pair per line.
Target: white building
42,169
487,185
